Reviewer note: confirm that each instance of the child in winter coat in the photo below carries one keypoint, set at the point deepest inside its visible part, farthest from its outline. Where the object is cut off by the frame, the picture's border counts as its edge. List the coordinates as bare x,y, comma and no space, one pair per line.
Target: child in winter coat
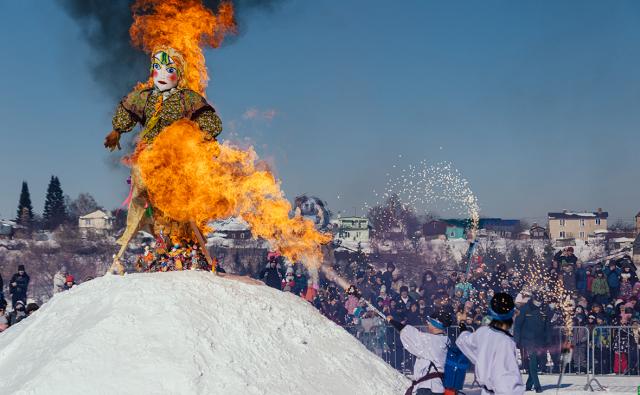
600,288
69,282
626,291
288,282
353,300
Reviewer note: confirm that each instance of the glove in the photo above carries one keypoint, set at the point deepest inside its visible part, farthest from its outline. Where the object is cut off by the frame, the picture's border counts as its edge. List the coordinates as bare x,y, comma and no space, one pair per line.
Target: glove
112,141
463,328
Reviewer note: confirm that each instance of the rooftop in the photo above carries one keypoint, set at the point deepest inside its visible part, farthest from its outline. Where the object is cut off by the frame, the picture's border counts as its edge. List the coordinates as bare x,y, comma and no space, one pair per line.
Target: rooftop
577,215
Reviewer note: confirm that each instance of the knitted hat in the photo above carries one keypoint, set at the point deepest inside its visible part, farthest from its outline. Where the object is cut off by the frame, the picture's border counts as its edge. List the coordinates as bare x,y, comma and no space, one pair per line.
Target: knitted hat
21,268
502,307
69,279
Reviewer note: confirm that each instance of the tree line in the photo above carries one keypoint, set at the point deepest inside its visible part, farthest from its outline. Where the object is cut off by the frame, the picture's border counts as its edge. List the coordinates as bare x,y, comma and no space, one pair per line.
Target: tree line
59,209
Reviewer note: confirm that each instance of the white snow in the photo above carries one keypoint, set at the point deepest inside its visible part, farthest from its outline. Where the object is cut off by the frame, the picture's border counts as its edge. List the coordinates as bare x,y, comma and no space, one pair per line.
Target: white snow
185,333
229,224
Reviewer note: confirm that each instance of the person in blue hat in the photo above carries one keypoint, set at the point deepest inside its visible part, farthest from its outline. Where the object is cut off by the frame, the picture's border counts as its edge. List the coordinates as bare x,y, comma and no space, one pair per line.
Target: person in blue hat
492,350
430,350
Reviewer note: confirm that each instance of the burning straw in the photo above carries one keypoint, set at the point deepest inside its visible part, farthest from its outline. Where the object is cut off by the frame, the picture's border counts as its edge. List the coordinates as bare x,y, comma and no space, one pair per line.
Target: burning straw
190,179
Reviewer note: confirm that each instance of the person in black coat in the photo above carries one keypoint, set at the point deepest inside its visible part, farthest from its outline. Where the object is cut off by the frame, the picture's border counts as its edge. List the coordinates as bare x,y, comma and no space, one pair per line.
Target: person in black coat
270,275
1,287
387,277
532,332
18,286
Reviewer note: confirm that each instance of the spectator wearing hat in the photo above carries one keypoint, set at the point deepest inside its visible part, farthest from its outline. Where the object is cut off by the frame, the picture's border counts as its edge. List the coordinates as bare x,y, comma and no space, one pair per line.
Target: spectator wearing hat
18,286
387,276
600,288
270,275
430,350
59,279
532,332
612,274
404,301
31,307
18,314
492,350
581,279
626,289
69,282
565,256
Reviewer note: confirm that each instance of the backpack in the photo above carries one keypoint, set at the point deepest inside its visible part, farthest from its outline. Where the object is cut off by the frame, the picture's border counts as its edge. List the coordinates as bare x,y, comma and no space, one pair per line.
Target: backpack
455,368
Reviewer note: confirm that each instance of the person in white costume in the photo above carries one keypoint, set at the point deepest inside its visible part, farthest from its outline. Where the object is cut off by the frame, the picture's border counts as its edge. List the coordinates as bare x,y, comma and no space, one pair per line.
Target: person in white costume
492,350
430,350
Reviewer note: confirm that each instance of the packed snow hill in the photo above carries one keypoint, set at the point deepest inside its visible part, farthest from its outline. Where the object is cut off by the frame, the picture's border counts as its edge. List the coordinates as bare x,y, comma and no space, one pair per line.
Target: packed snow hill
186,333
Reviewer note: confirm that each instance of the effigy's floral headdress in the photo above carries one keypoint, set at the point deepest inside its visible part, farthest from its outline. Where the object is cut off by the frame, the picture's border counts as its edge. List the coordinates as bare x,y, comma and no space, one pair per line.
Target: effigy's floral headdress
168,56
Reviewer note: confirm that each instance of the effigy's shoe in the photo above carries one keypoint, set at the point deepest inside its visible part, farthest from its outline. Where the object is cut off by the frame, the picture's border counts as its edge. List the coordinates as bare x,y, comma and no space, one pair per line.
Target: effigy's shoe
116,267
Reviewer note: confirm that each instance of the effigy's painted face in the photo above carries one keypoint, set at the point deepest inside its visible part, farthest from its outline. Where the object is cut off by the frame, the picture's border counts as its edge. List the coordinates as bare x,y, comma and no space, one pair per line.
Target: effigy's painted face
164,72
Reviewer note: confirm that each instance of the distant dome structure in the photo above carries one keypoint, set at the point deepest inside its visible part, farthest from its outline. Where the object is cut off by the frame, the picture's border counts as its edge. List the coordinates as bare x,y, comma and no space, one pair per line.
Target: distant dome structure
313,208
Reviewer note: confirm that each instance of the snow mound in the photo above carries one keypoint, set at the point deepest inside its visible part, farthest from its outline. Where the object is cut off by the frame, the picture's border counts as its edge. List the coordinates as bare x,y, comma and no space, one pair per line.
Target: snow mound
185,333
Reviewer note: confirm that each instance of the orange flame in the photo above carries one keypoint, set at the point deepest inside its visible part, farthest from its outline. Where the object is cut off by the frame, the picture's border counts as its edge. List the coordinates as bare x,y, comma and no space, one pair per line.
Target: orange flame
184,25
192,179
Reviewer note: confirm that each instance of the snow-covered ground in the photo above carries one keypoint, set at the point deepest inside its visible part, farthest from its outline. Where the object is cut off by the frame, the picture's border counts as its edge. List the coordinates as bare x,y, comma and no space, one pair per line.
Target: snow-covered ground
185,333
574,385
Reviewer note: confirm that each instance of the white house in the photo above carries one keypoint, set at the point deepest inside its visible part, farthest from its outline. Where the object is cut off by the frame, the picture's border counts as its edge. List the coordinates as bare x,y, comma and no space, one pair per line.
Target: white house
352,229
98,222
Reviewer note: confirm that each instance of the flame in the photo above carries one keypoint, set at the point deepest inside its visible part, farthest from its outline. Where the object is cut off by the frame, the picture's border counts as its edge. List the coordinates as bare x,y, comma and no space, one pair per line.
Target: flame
189,178
184,25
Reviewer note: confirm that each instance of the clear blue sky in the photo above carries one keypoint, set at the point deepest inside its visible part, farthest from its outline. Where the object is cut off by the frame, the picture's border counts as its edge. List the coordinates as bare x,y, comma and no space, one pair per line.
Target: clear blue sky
536,102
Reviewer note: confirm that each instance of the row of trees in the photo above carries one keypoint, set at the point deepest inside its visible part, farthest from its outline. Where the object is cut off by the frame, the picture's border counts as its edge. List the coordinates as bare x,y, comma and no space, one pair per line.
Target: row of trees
58,209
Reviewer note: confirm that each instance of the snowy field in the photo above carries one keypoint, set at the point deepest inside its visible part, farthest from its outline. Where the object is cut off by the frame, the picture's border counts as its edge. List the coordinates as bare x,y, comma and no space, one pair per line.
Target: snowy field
185,333
574,385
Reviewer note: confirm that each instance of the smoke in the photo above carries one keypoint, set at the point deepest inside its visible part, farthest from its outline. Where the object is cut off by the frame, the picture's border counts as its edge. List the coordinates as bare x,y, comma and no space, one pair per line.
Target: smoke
115,64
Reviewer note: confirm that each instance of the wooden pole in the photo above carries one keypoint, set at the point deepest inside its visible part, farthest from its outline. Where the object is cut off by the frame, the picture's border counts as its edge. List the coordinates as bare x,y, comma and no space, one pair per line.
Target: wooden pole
203,244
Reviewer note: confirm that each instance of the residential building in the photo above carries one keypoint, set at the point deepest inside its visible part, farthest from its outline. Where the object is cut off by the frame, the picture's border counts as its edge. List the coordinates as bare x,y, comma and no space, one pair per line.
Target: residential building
576,225
456,229
231,229
497,227
7,229
538,232
97,222
434,230
354,229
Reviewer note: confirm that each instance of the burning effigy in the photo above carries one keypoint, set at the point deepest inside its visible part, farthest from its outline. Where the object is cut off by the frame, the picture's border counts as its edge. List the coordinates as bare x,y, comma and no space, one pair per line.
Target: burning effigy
181,176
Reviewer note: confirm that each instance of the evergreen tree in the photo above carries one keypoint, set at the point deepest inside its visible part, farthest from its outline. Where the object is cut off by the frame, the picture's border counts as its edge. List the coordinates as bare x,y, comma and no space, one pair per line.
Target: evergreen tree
24,215
55,210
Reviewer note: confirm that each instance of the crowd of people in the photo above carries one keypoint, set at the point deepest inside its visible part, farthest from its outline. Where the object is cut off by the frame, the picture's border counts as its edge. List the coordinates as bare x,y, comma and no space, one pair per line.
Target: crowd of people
592,297
599,295
21,307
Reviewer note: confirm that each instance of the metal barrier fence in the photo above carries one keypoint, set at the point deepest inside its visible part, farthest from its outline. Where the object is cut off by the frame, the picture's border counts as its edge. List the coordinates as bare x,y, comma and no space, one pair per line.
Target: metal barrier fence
615,350
384,341
602,350
580,339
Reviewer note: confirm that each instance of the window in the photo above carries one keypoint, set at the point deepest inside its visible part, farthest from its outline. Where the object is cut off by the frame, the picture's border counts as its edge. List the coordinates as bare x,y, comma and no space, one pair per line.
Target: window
582,235
597,221
562,235
562,222
582,222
